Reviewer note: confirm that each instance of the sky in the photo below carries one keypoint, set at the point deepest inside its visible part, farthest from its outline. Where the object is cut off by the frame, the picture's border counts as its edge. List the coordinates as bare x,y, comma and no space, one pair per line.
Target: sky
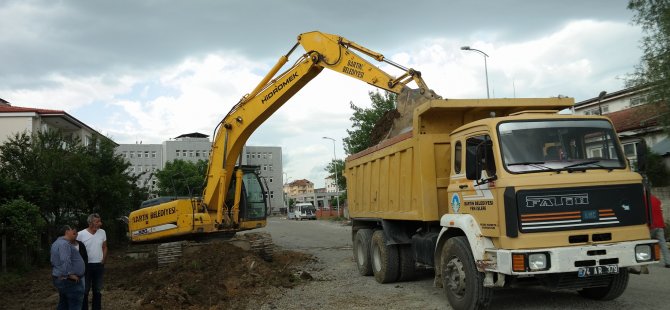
147,71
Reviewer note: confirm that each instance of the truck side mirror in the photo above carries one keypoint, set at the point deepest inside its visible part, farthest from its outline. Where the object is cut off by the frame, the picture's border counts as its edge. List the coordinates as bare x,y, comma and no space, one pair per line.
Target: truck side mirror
641,150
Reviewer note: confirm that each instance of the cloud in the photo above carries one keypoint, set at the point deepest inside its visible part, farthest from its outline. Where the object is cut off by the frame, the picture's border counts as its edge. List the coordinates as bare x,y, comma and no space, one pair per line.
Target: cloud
149,71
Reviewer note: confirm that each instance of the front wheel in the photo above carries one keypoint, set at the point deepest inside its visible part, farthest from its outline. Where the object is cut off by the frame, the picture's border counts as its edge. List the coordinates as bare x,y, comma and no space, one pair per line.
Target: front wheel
612,291
462,283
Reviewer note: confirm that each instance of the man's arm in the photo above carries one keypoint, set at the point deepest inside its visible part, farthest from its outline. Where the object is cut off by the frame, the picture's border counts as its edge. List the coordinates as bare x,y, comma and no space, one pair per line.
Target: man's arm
104,251
64,255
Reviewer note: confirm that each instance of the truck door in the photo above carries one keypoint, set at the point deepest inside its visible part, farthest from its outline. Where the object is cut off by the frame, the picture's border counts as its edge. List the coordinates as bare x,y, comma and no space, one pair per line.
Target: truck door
474,177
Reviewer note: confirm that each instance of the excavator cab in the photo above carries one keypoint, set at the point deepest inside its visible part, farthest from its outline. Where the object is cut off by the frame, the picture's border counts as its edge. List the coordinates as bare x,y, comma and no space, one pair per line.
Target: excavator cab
253,200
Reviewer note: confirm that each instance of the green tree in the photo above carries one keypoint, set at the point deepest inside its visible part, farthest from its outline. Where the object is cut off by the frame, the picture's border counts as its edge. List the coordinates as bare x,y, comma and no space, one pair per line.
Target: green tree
337,167
364,120
654,68
181,178
655,169
22,225
67,180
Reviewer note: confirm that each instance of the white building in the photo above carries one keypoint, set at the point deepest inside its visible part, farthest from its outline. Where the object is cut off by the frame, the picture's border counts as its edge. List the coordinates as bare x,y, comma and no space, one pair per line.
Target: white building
146,159
634,118
15,120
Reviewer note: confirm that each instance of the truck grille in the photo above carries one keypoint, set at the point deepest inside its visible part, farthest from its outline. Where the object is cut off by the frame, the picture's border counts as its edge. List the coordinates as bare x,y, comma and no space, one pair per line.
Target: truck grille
579,208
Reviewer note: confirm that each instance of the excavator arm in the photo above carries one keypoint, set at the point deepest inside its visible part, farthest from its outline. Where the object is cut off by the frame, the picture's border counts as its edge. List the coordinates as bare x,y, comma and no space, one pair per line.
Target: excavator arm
217,211
322,51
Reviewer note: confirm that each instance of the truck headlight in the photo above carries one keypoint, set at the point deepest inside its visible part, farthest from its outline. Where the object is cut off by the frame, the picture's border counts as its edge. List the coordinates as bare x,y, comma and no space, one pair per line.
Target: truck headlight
643,253
538,261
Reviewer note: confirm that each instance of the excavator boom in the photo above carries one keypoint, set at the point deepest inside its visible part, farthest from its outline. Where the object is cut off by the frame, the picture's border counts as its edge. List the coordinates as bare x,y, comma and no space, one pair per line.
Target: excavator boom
221,204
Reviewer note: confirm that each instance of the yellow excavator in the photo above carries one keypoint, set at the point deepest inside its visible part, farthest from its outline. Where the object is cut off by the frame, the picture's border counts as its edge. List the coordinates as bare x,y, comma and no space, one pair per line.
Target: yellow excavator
234,198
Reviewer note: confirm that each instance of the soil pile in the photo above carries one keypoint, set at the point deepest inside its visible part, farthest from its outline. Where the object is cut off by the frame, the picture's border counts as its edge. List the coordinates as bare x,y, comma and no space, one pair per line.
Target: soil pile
399,120
215,275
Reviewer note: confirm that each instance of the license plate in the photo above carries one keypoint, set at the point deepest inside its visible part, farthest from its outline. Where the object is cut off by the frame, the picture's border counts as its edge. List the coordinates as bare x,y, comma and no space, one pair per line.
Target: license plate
584,272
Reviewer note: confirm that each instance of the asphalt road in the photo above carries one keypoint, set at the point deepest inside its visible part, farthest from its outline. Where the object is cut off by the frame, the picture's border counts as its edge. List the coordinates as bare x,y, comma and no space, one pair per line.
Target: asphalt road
337,284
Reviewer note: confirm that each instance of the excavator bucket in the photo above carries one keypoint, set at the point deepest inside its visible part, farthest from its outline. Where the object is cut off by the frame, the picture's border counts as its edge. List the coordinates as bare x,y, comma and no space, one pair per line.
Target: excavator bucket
399,120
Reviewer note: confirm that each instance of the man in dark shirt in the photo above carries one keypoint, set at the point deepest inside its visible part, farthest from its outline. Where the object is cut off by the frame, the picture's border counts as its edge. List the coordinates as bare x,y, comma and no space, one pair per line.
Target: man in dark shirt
68,268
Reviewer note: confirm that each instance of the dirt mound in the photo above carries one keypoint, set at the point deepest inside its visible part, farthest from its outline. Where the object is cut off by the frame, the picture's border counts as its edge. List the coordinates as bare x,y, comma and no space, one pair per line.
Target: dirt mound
216,275
219,275
399,120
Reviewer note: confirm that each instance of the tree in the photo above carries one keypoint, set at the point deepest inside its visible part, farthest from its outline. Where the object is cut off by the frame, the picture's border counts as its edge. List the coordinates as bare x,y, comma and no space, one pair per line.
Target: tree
654,69
22,226
181,178
67,180
364,121
337,167
655,169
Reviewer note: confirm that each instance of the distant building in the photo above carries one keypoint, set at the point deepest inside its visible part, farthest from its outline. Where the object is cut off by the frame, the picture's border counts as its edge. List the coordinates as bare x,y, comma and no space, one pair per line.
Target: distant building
146,159
330,184
635,118
15,120
269,161
299,187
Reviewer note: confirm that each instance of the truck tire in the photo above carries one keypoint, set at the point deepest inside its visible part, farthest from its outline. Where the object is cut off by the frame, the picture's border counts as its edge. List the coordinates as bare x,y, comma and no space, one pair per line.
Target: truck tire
462,283
612,291
384,258
362,251
407,263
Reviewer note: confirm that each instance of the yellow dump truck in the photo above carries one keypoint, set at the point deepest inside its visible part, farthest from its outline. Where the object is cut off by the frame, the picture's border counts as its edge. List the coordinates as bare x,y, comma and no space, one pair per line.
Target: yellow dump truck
497,192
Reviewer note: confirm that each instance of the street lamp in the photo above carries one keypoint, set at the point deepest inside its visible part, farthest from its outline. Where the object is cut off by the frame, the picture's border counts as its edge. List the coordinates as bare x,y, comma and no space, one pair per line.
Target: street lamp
337,190
486,70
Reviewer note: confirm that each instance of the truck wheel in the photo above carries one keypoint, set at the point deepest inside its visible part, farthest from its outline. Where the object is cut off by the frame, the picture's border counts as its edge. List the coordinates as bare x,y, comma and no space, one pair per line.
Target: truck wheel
407,262
362,251
462,283
384,258
612,291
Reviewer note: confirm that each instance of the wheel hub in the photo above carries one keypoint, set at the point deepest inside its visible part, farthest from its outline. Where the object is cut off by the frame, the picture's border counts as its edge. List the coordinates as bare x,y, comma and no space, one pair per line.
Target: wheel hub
455,277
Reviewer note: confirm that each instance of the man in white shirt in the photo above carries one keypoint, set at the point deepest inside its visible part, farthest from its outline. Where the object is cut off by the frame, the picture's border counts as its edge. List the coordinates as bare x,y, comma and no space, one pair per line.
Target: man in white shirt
95,240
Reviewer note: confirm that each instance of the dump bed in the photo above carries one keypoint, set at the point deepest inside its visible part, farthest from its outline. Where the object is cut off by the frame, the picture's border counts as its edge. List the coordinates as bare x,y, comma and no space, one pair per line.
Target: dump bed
400,178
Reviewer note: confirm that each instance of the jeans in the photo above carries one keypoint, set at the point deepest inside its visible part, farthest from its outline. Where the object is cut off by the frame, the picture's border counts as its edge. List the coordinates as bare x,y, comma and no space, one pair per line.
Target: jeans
70,293
659,234
94,273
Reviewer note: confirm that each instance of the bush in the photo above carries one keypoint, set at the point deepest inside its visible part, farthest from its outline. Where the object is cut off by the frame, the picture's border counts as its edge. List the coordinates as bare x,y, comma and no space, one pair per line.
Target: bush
22,224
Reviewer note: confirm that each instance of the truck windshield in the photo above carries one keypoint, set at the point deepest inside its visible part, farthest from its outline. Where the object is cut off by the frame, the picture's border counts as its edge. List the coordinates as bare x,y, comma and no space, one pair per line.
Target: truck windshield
557,145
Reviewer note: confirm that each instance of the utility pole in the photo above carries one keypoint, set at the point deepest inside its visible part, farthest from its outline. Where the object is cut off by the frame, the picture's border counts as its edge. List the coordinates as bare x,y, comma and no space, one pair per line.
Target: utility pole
337,189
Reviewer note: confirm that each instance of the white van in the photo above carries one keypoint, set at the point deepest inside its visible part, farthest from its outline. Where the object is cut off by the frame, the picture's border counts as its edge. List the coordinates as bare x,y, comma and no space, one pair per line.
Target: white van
300,211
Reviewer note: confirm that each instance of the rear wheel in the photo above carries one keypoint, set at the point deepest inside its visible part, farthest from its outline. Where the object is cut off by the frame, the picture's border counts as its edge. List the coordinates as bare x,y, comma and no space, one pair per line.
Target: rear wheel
462,283
384,258
612,291
362,251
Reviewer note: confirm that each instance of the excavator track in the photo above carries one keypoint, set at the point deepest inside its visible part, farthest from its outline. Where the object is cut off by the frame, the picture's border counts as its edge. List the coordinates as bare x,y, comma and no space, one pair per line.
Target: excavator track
259,243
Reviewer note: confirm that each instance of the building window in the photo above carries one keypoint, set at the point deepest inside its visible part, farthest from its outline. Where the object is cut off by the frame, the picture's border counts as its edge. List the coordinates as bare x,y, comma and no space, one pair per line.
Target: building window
630,149
265,167
153,154
178,153
197,153
190,154
269,155
146,154
183,153
270,180
270,167
248,156
265,155
272,194
132,154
